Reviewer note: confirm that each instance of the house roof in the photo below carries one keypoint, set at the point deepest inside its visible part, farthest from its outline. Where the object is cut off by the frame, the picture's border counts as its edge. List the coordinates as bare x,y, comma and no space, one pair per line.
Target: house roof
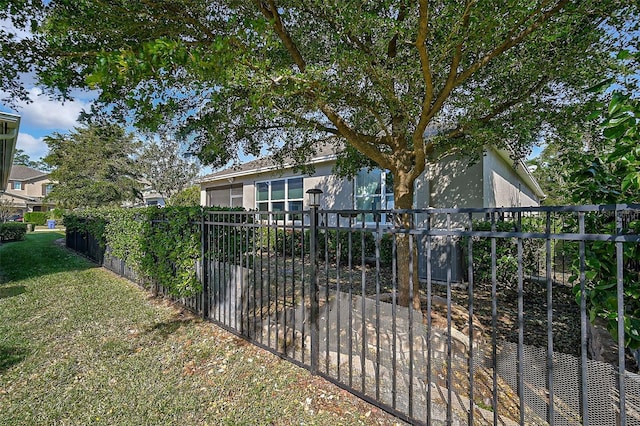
24,173
9,129
326,152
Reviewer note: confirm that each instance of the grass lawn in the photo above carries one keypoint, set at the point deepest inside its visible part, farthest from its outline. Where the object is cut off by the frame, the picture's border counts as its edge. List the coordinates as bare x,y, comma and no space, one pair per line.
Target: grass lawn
80,346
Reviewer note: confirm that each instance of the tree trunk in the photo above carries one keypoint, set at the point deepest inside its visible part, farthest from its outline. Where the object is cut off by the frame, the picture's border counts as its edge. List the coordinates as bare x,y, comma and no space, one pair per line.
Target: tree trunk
407,253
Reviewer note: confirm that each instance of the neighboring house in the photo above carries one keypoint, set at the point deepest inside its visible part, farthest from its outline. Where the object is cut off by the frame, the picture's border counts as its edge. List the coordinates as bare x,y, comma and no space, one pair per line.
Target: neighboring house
494,181
9,129
262,185
26,190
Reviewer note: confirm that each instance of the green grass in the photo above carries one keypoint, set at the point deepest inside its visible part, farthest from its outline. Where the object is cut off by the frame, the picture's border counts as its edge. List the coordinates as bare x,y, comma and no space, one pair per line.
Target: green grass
81,346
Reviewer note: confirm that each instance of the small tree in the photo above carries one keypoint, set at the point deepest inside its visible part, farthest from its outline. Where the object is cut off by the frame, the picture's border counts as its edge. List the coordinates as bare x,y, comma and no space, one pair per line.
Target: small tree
163,166
6,209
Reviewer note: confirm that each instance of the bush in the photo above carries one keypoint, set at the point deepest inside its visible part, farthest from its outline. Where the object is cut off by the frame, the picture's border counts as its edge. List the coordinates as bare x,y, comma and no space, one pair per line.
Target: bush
39,218
12,231
506,252
330,241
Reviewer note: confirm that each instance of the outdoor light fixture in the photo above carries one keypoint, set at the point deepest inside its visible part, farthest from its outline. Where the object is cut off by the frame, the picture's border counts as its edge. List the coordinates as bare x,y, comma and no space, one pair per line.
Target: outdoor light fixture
314,197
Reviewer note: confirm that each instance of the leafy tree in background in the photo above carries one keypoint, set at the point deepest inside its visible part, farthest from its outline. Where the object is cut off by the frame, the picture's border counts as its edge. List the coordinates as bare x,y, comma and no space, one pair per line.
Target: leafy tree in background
93,166
394,84
163,166
22,158
188,197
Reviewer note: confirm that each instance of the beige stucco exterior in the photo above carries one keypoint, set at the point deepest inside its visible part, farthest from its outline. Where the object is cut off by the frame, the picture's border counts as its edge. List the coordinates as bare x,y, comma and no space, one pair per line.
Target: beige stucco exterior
490,182
26,190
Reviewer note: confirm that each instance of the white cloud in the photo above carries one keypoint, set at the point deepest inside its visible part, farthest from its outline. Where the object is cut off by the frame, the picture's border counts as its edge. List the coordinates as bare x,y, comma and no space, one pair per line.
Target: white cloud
44,113
32,146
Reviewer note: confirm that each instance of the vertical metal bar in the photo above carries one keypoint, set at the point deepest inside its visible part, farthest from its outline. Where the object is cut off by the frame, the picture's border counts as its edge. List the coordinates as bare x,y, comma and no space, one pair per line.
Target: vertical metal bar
429,324
449,327
377,245
276,259
338,322
285,330
293,283
550,369
269,260
262,250
410,308
303,277
204,255
620,300
583,326
471,330
350,328
254,253
313,290
325,222
394,324
494,320
363,292
520,349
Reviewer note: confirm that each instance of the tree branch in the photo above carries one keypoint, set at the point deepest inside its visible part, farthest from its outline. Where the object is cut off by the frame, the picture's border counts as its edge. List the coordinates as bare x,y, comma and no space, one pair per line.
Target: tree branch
499,109
512,39
270,11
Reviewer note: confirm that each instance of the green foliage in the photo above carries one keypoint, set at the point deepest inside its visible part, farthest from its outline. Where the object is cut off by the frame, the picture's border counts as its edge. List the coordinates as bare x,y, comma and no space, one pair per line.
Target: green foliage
38,218
162,245
93,166
506,251
363,243
188,197
12,231
612,177
164,167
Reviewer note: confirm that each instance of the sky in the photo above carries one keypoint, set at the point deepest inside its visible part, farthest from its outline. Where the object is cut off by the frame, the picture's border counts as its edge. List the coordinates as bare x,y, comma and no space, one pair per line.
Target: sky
43,117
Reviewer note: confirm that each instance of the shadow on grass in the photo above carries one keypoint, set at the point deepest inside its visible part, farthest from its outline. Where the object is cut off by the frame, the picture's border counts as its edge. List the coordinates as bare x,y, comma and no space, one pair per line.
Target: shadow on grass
166,328
10,356
11,291
38,255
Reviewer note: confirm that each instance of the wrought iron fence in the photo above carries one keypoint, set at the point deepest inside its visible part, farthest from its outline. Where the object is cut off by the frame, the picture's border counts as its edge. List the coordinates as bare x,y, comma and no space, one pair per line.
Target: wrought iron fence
500,332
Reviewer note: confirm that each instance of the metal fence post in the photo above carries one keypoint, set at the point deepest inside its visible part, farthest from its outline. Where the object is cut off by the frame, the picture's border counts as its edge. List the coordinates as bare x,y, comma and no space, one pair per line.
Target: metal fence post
204,249
313,290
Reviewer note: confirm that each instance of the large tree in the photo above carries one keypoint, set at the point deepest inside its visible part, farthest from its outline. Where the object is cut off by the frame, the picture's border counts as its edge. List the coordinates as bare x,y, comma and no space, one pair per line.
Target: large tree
93,166
393,83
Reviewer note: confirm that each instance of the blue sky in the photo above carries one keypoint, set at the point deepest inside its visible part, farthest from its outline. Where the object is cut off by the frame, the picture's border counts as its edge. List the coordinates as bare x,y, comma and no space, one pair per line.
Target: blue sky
43,116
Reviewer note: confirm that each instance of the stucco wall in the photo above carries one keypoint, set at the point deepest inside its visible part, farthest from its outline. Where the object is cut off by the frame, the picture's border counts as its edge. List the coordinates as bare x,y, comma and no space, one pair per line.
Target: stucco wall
453,183
337,192
502,186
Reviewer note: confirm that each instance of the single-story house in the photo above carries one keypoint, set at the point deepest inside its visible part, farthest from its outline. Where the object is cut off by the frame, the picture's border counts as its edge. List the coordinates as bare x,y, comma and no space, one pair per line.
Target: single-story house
26,190
493,181
9,129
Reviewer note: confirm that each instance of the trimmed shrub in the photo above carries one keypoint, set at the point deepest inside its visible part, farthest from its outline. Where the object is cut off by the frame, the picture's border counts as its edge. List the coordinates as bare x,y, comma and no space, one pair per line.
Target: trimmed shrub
38,218
12,231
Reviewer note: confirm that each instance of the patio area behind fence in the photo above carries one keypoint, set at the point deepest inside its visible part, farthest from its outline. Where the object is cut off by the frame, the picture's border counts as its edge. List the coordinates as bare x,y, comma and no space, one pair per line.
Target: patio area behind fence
502,334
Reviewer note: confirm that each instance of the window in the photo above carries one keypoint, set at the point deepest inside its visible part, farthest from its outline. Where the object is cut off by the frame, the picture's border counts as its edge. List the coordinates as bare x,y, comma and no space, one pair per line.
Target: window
46,188
225,196
279,196
374,191
17,186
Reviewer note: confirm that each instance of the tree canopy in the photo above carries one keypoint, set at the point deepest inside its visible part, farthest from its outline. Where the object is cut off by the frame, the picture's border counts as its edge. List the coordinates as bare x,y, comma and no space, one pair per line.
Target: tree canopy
392,83
402,83
93,166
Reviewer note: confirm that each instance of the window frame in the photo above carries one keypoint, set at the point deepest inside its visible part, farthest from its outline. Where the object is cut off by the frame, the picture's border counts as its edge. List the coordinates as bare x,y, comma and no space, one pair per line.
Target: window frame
274,217
385,203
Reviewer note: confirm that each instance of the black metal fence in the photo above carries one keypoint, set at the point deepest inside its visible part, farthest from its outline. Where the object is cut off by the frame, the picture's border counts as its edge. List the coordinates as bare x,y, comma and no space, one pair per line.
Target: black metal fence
502,331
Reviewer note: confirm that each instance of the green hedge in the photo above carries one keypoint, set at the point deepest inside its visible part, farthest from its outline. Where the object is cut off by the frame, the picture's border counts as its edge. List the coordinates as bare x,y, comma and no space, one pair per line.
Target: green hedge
12,231
39,218
162,245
